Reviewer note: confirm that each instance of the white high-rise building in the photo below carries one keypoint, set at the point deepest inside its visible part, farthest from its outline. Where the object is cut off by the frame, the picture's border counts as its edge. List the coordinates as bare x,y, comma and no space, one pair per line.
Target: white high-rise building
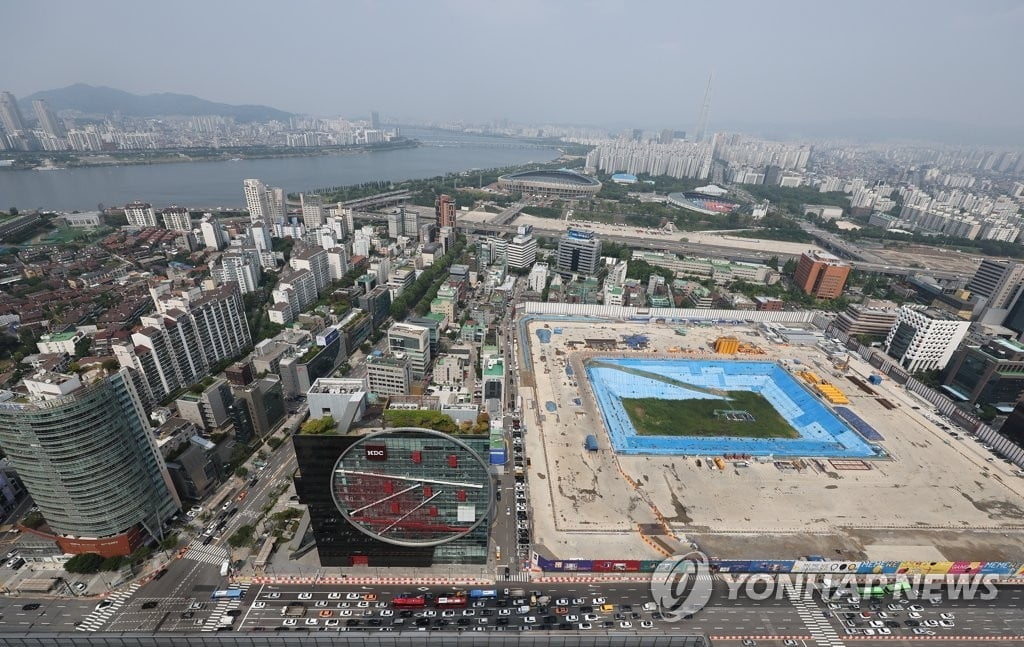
315,260
923,338
312,210
538,277
339,226
337,263
241,267
176,218
266,205
140,214
49,121
522,251
213,234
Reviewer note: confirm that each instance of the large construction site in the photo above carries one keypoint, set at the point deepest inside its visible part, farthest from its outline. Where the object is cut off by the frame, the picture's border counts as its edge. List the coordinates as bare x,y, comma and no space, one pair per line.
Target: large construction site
865,473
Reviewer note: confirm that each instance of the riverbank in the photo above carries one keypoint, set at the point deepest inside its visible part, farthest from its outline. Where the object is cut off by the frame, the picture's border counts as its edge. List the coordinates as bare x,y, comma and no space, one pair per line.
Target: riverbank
57,161
213,185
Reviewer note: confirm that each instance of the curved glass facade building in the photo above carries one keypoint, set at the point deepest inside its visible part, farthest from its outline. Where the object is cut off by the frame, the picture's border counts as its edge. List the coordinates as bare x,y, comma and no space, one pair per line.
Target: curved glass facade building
86,455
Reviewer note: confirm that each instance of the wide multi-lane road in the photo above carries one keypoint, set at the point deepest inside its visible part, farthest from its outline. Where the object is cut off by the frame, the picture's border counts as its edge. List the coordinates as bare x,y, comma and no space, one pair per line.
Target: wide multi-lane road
171,605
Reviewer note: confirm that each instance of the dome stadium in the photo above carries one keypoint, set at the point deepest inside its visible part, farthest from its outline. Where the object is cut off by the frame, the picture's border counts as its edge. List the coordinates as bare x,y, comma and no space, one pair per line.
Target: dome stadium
701,203
561,183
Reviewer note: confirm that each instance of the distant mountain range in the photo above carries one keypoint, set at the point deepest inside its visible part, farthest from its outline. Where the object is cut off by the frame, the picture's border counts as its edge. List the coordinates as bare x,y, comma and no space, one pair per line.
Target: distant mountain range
102,100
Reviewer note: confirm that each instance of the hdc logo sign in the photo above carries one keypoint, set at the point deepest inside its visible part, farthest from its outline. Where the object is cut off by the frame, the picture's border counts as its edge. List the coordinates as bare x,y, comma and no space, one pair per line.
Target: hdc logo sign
376,452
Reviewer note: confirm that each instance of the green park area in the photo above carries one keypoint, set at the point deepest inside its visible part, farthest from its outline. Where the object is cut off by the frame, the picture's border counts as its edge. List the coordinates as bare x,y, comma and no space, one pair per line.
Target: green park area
658,417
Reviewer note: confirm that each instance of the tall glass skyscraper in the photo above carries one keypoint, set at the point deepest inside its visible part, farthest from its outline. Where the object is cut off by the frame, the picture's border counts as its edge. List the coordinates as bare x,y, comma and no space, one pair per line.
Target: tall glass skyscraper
86,455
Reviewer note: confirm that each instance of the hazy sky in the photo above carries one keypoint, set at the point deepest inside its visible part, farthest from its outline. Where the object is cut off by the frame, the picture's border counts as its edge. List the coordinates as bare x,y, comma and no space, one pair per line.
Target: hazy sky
636,62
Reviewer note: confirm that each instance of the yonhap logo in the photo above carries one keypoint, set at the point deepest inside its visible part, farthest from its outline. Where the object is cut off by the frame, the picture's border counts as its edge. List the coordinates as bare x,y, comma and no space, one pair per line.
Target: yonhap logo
681,585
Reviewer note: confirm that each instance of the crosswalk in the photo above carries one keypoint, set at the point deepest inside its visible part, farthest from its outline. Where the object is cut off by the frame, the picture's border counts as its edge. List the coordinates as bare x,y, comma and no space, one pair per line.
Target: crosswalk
221,608
817,624
208,554
516,577
98,617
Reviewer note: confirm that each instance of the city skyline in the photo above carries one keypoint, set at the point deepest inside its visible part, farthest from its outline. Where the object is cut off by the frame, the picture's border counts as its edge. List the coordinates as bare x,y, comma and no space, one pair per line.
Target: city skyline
792,77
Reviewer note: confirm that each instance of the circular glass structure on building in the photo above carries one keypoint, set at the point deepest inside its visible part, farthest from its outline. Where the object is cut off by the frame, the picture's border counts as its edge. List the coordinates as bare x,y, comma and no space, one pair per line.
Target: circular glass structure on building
412,487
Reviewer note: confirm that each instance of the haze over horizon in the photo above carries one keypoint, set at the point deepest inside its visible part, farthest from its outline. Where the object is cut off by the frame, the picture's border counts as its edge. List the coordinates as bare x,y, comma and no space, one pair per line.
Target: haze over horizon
799,67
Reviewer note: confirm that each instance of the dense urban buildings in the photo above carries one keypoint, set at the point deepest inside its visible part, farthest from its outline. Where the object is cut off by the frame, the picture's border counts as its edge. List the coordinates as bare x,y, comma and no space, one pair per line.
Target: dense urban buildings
992,373
444,207
821,274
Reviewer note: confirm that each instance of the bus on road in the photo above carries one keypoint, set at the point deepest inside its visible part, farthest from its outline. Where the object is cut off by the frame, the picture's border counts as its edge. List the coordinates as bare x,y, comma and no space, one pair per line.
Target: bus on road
227,594
451,601
410,602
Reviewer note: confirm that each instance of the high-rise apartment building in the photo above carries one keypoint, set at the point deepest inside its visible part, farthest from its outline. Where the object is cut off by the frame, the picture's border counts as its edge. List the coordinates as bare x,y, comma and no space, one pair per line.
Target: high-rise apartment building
190,332
241,267
924,339
10,113
312,210
337,263
294,294
821,274
88,458
140,214
997,281
177,218
266,205
444,207
314,259
214,236
579,252
414,343
48,121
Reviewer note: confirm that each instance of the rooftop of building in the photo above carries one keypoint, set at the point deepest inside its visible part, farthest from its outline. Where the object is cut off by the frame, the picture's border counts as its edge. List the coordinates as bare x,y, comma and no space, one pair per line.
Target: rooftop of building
557,177
337,386
61,336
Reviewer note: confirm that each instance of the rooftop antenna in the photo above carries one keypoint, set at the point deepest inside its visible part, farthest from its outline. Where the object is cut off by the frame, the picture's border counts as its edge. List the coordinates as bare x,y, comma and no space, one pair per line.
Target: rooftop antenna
705,110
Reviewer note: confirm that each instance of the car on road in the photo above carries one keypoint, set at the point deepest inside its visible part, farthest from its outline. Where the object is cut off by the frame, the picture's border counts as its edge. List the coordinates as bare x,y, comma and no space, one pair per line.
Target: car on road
576,618
305,596
79,586
625,624
647,624
287,622
914,614
947,616
585,625
597,601
152,604
102,605
946,623
916,607
32,606
918,631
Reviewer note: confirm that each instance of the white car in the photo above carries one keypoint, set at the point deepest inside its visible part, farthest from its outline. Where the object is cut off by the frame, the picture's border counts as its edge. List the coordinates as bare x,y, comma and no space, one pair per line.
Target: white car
468,612
430,613
289,622
930,623
353,596
272,596
947,616
647,624
259,605
597,601
894,607
923,632
346,612
530,620
363,605
576,618
625,624
321,603
914,615
305,596
946,623
504,612
585,625
916,607
885,631
332,622
448,613
561,602
312,621
387,613
877,623
334,596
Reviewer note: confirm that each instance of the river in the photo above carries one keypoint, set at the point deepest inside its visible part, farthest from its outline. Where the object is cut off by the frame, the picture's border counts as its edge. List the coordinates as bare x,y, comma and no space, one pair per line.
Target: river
207,185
